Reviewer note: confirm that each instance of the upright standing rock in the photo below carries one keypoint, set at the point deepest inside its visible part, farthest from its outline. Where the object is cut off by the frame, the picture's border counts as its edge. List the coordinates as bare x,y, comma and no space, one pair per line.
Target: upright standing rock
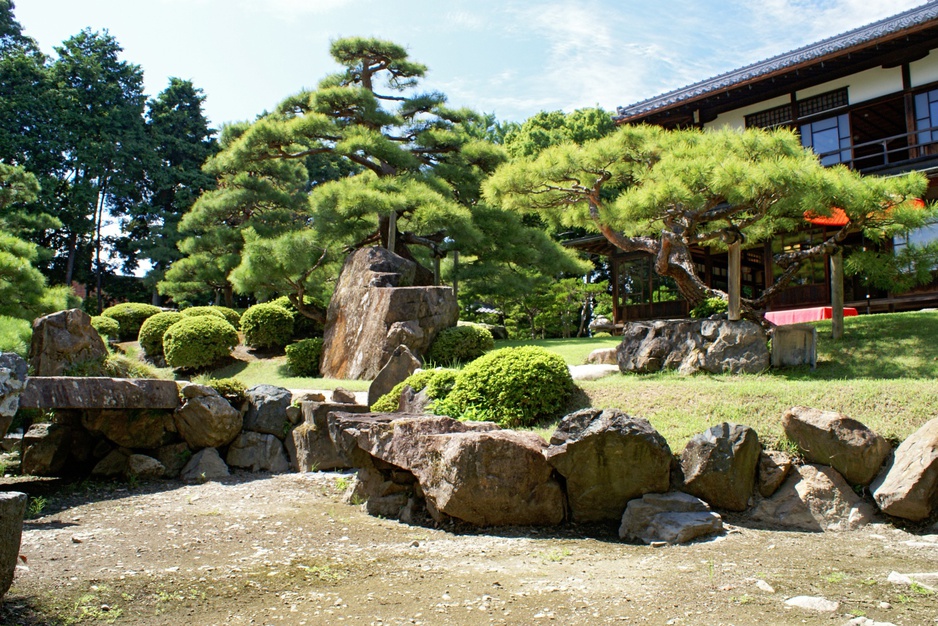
375,309
267,410
608,458
12,380
12,509
909,488
402,364
65,340
719,466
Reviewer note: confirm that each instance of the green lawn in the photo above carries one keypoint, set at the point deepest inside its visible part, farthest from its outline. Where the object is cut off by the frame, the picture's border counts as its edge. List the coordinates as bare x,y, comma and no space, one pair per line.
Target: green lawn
882,373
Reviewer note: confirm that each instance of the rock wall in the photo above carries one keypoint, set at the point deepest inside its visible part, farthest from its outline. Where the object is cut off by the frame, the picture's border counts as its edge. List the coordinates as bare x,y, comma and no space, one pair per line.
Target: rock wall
374,310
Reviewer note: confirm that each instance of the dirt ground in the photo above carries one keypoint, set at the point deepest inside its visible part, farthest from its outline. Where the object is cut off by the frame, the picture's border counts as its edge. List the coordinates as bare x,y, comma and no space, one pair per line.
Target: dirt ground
287,550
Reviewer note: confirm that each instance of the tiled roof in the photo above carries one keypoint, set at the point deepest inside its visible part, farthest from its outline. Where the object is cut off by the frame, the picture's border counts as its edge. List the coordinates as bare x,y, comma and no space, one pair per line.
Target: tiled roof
850,39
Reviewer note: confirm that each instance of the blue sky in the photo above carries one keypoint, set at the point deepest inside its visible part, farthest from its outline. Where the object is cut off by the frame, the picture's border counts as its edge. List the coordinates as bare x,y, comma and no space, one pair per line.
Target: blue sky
512,58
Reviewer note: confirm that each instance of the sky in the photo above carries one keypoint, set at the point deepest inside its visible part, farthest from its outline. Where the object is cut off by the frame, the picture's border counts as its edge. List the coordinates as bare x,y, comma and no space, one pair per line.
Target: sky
511,58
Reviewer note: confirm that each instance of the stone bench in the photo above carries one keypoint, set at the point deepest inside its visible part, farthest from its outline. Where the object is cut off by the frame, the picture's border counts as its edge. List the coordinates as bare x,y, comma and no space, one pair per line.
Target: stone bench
73,392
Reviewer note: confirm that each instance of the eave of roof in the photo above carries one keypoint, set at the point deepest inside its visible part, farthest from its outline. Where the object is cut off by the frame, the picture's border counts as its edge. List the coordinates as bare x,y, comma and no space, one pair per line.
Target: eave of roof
883,29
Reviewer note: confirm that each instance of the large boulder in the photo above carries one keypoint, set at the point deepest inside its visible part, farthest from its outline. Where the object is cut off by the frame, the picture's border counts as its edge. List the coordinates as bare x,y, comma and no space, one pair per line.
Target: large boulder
132,428
719,465
12,509
909,487
774,466
495,478
814,498
65,341
375,309
12,380
206,420
607,459
669,517
258,452
402,364
267,410
309,446
46,449
98,392
833,439
691,346
204,465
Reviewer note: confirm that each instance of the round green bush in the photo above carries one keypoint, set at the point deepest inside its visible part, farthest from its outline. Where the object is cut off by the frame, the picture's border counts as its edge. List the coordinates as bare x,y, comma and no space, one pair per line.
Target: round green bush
267,325
303,356
460,344
511,386
130,316
195,342
151,332
709,307
231,316
106,326
195,311
303,327
438,383
231,389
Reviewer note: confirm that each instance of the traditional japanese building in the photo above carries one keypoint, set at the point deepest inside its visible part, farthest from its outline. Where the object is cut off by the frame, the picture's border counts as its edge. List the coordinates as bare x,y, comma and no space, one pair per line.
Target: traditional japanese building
867,98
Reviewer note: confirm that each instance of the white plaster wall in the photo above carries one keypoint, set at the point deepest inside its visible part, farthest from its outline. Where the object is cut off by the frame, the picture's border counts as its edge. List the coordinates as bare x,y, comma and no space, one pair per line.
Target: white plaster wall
737,117
863,86
924,71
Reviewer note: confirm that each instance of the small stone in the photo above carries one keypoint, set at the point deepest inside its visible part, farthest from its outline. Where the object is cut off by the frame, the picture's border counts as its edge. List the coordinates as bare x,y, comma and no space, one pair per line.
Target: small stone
813,603
414,544
764,586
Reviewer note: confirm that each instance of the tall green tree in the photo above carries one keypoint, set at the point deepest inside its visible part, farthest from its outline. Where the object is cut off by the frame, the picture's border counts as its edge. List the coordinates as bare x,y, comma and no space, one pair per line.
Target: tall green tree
103,136
23,289
661,192
182,142
405,173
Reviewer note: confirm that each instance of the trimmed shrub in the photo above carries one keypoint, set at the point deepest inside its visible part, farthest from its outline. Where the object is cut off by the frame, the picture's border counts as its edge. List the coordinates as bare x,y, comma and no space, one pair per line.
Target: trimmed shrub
123,366
15,335
130,316
267,325
231,316
438,383
151,332
195,342
511,386
303,356
195,311
709,307
231,389
460,344
107,327
303,327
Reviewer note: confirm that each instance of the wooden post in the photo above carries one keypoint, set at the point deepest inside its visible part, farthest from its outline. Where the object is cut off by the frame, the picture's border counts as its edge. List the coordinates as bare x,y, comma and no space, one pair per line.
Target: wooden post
392,231
837,294
735,276
436,271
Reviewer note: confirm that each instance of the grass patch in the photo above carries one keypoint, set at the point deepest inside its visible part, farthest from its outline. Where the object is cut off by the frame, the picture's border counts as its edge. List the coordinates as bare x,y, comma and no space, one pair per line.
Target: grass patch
574,350
275,371
15,335
881,373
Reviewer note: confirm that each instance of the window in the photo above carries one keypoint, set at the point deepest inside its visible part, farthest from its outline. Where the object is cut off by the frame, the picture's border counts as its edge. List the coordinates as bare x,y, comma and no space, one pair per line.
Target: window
829,138
781,115
926,116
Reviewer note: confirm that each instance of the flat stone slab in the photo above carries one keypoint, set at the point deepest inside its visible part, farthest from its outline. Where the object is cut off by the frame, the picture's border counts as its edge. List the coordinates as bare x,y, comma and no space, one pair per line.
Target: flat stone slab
73,392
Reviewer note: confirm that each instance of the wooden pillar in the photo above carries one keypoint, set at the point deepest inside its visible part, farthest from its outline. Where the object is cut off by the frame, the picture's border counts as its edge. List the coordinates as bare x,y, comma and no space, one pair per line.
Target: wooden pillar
735,276
392,231
436,271
909,103
617,315
837,294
